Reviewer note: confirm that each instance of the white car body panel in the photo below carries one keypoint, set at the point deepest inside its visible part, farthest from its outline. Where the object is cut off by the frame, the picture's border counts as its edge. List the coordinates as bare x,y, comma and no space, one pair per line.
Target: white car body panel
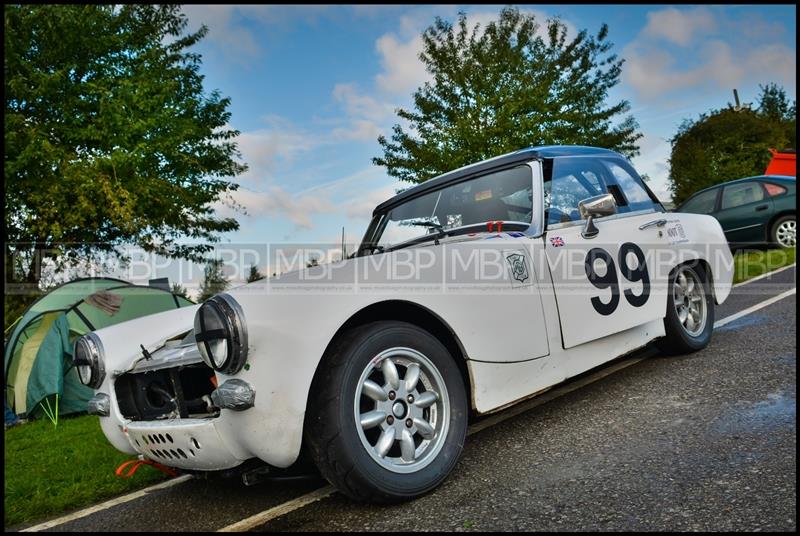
518,335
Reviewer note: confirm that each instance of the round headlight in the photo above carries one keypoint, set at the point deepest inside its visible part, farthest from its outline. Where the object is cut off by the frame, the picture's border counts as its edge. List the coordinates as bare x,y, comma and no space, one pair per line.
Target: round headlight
221,334
88,359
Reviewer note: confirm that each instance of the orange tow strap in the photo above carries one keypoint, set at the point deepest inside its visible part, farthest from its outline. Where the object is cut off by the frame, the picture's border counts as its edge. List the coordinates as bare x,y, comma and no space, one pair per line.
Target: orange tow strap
135,464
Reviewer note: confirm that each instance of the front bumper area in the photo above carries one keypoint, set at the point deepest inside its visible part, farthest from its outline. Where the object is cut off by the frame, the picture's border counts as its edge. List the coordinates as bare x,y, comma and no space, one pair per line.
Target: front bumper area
184,443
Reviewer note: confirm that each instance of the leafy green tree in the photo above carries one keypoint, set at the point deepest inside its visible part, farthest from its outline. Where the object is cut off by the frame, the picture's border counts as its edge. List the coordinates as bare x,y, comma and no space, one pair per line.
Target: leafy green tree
505,87
214,280
254,274
774,104
727,144
110,138
178,290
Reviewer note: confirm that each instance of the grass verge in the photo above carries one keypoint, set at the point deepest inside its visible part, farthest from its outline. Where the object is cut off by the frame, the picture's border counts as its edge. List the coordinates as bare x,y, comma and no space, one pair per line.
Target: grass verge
753,263
52,470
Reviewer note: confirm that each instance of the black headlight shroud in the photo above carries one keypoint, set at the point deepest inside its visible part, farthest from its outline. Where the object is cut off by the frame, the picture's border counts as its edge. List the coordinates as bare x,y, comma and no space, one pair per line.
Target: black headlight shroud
221,320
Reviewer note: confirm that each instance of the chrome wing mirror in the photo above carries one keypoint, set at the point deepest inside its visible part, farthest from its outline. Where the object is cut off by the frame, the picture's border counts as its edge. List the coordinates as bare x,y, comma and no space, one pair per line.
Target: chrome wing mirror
595,207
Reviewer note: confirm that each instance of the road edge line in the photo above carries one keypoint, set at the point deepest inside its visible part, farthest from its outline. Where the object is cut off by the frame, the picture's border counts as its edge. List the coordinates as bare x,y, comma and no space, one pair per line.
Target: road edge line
754,308
106,504
762,276
266,516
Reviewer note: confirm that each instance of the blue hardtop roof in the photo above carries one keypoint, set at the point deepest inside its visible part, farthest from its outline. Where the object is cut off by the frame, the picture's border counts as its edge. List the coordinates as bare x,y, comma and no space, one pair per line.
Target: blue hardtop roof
498,162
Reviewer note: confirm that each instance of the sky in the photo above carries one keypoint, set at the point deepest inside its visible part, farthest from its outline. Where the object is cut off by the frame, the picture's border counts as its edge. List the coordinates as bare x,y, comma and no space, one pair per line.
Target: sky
312,87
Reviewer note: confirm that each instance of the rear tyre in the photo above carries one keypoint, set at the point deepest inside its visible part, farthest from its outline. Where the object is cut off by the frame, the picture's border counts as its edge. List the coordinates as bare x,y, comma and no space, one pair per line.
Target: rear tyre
387,413
690,311
784,232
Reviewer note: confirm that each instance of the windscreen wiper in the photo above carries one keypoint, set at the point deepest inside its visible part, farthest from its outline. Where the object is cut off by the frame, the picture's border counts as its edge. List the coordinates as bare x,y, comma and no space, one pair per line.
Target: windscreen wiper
440,233
429,225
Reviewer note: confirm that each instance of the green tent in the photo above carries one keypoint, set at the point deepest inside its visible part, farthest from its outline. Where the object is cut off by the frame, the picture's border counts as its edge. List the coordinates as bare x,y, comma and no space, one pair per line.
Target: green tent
38,354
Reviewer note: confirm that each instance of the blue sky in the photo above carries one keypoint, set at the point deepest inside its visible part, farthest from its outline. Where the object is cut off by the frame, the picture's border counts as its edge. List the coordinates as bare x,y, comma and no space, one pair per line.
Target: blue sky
313,86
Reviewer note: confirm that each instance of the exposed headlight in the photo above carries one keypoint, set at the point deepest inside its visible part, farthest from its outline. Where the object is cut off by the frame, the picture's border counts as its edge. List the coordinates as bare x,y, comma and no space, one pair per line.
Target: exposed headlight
88,358
221,334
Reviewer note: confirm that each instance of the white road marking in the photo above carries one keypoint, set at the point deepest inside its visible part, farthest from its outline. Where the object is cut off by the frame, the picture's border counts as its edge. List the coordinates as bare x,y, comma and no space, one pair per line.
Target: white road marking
107,504
762,276
756,307
326,491
277,511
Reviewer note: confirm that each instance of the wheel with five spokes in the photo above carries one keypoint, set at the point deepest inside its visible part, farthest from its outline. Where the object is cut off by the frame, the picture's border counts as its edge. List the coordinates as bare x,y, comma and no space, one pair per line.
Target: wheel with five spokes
690,311
387,413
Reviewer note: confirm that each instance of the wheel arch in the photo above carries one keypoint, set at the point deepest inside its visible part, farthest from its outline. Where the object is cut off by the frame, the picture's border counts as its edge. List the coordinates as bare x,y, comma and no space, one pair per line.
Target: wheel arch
775,217
416,314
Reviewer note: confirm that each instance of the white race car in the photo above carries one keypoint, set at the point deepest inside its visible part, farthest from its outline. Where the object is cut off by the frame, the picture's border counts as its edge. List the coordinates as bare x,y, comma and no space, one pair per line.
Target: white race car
470,292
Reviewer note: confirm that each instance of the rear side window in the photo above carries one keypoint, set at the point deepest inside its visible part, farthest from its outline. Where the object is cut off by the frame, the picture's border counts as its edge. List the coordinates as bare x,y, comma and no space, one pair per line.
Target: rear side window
773,189
703,203
737,195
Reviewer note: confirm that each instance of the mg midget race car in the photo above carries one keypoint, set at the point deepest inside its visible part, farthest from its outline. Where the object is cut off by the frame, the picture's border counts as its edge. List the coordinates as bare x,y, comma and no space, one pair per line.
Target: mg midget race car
470,292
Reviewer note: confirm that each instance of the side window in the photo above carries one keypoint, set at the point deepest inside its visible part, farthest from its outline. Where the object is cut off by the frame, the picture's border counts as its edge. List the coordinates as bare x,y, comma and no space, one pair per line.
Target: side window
630,183
741,194
703,203
774,189
573,180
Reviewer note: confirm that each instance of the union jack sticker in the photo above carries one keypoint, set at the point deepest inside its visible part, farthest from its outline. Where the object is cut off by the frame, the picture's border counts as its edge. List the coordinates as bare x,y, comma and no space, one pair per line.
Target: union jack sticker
557,241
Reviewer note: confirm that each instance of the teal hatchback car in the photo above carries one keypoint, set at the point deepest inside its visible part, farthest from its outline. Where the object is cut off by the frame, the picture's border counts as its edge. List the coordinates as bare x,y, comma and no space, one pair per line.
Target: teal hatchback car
753,210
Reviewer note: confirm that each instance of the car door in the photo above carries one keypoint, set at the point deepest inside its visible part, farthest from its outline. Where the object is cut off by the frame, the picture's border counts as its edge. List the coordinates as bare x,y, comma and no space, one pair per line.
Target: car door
744,212
608,283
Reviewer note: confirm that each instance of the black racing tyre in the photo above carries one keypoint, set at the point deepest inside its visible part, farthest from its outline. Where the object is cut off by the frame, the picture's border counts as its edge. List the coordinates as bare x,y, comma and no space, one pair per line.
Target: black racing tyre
387,413
690,311
783,232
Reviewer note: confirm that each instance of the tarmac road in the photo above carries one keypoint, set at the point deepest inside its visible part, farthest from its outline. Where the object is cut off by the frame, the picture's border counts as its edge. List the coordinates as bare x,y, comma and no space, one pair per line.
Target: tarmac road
700,442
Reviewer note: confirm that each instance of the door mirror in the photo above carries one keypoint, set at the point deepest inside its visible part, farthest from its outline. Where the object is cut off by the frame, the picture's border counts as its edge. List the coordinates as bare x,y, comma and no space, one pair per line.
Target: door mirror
596,207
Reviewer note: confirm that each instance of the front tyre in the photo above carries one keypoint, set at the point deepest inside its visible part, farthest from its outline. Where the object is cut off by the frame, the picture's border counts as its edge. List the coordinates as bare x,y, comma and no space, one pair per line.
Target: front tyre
690,311
387,413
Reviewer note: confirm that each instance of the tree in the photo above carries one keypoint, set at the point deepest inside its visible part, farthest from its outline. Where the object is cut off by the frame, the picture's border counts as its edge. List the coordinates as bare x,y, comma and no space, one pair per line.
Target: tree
727,144
774,104
214,280
110,138
505,88
254,274
178,290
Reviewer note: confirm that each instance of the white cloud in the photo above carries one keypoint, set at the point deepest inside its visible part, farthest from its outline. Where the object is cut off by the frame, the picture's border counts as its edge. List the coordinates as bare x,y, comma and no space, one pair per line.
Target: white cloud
365,114
277,203
679,26
230,26
278,144
402,69
657,62
362,206
652,161
225,28
354,196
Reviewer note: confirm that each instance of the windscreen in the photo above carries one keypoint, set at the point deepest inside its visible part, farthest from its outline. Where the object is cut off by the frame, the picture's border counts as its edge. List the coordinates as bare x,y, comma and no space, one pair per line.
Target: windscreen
501,196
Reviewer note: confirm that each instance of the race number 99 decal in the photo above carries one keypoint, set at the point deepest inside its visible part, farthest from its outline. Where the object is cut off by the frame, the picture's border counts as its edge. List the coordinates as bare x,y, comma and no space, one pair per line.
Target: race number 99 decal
610,280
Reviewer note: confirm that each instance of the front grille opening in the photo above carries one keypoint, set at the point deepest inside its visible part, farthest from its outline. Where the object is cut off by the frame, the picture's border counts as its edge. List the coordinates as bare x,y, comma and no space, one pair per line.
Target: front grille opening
178,392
